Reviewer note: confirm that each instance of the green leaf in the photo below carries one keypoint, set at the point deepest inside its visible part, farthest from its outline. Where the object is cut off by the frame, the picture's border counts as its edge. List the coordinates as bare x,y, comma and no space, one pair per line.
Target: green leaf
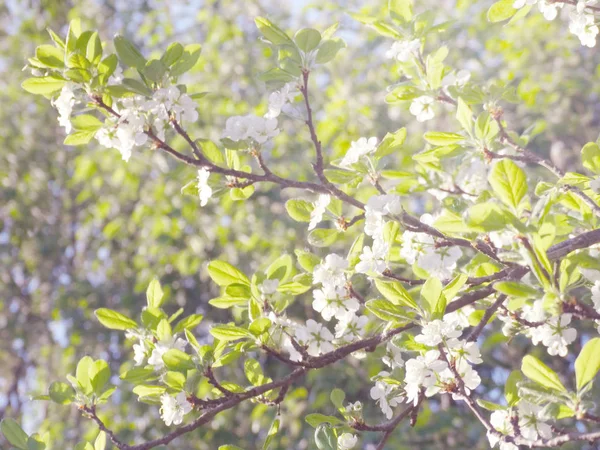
401,9
271,434
189,323
323,237
316,419
271,32
175,359
395,293
83,446
172,54
82,374
587,363
307,260
299,210
189,58
226,302
61,393
36,442
490,406
337,397
225,274
93,51
259,326
154,294
386,310
464,115
43,85
509,182
136,86
441,138
516,289
149,394
511,390
100,442
307,39
452,288
50,56
391,143
325,438
86,122
79,138
114,320
99,373
537,371
137,374
155,70
13,433
501,11
431,295
329,50
254,372
486,217
590,157
128,53
175,380
230,333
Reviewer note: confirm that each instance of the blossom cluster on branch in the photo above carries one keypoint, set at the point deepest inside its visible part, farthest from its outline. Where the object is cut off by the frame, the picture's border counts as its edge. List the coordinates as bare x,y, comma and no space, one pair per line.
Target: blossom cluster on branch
418,291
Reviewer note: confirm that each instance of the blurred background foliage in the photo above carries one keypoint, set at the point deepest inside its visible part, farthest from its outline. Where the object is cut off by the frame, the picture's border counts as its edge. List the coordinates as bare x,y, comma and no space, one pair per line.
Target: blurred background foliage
80,229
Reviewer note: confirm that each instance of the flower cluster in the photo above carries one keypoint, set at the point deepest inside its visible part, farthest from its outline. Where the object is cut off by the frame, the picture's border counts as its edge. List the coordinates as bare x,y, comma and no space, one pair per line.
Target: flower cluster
582,22
137,115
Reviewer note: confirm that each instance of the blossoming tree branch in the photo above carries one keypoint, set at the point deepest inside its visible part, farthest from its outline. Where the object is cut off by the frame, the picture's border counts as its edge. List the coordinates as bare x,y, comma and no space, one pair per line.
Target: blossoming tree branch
510,242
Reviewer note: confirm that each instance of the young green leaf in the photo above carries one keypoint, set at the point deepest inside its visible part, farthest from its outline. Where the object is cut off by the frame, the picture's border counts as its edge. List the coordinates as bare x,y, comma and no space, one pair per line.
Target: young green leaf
587,363
537,371
154,294
114,320
13,433
509,182
225,274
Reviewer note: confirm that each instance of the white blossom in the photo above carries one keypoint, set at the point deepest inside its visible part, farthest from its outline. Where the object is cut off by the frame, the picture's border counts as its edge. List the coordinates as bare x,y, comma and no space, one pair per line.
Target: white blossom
173,409
372,259
316,337
334,302
421,372
347,441
357,149
269,287
531,422
518,4
64,105
403,50
595,185
393,356
204,190
139,352
549,9
434,332
422,108
161,347
330,273
555,335
583,26
500,420
351,327
278,99
460,349
596,296
259,129
385,396
440,262
316,215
